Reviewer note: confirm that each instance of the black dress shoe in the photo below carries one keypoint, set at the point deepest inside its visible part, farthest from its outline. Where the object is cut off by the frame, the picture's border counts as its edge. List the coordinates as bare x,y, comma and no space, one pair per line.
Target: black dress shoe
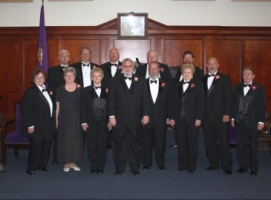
94,171
146,167
228,172
54,162
241,171
211,168
30,171
182,169
108,147
174,145
44,169
118,173
136,173
162,168
253,173
100,171
191,171
3,171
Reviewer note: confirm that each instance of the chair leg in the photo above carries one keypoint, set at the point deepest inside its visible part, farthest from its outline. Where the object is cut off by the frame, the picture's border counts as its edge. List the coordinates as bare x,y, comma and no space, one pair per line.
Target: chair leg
16,152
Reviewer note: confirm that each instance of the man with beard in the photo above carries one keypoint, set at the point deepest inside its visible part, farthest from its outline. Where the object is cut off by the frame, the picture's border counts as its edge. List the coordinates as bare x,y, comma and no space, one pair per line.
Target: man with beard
154,133
128,107
218,91
144,69
188,58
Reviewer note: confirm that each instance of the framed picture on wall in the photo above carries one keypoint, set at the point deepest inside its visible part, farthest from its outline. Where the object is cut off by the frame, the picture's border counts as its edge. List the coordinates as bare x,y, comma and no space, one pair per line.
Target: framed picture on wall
132,26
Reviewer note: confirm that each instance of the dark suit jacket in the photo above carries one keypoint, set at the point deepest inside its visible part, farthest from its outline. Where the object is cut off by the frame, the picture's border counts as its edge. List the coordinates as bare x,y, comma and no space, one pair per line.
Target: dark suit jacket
218,97
198,75
160,109
36,112
192,100
106,67
164,72
128,106
55,79
79,76
87,107
257,103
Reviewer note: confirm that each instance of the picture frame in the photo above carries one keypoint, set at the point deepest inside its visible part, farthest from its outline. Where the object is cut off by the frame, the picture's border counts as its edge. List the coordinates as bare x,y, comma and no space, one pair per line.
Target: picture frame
15,1
132,26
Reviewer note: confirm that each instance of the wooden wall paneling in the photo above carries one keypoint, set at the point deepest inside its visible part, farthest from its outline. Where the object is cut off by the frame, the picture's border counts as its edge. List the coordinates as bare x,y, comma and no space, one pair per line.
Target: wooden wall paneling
10,75
258,56
228,53
53,49
133,49
174,49
75,45
105,45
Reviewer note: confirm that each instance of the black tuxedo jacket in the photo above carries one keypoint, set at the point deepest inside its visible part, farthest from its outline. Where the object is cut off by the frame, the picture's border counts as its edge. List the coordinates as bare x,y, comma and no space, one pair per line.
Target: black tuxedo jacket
36,112
257,103
128,106
218,97
55,79
106,67
79,76
192,100
198,75
164,72
160,109
87,107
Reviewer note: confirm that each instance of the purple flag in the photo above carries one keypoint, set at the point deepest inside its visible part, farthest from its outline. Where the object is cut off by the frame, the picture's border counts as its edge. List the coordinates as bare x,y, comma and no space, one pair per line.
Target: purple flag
42,61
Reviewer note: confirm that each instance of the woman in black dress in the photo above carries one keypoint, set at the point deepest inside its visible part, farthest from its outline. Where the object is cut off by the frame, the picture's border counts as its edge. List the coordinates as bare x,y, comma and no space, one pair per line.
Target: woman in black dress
70,138
38,123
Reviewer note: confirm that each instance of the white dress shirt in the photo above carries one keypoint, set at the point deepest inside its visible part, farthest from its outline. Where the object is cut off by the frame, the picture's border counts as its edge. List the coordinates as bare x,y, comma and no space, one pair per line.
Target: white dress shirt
154,88
128,82
246,89
185,86
98,90
210,80
114,68
86,70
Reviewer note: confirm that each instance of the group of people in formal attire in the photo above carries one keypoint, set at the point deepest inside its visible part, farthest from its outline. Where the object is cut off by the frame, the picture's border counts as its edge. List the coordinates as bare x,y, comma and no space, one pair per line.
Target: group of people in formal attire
130,109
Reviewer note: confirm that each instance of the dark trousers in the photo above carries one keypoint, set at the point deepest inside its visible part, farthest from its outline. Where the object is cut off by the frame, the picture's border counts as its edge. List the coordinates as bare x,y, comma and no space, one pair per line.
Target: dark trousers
246,134
96,146
188,140
154,138
109,138
39,153
127,143
214,132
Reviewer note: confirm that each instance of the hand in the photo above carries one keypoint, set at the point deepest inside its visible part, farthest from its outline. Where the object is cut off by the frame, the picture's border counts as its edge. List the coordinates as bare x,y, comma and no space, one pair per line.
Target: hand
172,123
197,123
112,121
260,126
232,123
145,120
109,126
31,130
226,118
168,122
85,126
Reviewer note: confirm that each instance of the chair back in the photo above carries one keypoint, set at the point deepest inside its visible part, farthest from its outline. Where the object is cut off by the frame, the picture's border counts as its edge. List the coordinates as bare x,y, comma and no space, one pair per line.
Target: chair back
18,116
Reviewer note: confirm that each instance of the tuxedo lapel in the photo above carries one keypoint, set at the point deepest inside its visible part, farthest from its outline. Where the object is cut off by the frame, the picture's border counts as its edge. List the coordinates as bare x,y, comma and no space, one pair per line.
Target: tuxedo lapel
216,78
92,93
124,86
205,84
42,96
180,89
103,93
108,69
250,94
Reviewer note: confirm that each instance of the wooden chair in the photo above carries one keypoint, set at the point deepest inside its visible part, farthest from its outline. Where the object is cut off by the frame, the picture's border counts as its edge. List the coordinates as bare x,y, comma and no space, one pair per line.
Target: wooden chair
265,133
14,139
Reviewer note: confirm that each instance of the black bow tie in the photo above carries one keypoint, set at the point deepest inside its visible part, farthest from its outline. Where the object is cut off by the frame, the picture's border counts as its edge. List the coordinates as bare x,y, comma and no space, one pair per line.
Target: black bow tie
209,75
129,78
245,85
97,87
153,81
186,82
85,65
43,90
114,65
63,67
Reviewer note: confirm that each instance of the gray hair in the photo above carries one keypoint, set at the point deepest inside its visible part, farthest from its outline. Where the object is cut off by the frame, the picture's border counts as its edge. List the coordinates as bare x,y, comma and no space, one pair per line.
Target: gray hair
63,50
70,69
130,60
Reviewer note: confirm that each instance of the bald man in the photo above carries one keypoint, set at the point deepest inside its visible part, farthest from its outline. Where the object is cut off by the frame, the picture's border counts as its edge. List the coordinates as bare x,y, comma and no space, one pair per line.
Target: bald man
218,91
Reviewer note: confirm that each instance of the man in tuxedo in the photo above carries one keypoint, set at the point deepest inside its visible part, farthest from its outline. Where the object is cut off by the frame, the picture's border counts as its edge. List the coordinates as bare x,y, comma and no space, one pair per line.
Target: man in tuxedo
143,70
111,69
55,79
188,58
83,68
128,107
188,104
218,90
154,133
248,116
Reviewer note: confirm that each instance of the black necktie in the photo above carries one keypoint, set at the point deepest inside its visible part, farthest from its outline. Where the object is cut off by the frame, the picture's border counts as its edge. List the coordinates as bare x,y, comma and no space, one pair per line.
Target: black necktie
209,75
186,82
153,81
245,85
114,65
85,65
43,90
129,78
96,87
